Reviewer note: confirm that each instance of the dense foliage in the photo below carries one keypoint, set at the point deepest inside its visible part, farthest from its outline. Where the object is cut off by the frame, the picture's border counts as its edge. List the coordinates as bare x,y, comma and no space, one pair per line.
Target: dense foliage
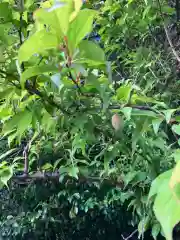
89,110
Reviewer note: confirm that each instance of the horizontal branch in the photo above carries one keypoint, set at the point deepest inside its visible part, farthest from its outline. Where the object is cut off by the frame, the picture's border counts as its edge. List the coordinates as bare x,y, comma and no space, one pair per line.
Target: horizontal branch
27,178
139,107
41,95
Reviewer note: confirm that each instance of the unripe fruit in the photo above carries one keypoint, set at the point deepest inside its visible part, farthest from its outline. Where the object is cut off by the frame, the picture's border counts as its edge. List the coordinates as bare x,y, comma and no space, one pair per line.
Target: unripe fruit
117,122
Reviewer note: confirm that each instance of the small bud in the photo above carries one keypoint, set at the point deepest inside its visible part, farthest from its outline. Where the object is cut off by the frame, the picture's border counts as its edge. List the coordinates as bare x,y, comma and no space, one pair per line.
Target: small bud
116,122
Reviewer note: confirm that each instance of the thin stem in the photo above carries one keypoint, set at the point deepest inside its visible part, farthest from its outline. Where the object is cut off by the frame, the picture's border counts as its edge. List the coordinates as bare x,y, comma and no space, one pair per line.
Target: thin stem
167,34
130,236
72,79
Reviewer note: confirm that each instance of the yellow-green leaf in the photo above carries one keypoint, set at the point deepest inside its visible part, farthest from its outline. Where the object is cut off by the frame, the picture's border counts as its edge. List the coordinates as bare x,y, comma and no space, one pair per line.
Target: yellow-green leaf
167,210
175,178
37,43
80,27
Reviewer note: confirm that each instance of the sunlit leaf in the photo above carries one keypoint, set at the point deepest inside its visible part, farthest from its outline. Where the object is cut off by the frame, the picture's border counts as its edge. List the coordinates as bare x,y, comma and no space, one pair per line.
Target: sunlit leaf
167,210
47,166
176,128
80,27
123,93
175,178
77,4
158,182
57,17
37,43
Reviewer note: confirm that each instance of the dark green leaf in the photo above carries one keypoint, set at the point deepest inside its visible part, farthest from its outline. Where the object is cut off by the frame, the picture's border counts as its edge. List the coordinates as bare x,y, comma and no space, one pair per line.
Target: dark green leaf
36,70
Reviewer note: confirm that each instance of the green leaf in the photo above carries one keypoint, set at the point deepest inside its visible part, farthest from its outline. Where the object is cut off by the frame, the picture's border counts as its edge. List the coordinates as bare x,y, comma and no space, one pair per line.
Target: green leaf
144,99
156,230
127,112
4,155
175,178
156,124
73,212
168,113
176,128
24,122
3,164
91,53
80,27
5,12
37,43
57,162
6,174
143,226
57,17
129,177
28,3
167,9
146,113
36,70
79,143
73,172
5,93
176,192
158,182
167,210
77,6
21,121
47,166
123,93
176,155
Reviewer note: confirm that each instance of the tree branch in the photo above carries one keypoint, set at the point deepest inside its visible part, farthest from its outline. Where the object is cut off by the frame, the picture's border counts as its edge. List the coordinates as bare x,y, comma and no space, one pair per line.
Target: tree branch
139,107
130,236
56,175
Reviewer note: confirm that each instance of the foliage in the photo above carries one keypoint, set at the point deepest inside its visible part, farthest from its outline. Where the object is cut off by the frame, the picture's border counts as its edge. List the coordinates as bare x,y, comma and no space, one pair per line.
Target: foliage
59,93
48,210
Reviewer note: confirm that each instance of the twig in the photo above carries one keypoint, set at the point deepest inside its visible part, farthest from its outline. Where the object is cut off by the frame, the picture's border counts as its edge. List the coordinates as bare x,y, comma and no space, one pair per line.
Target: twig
25,155
139,107
167,34
68,64
130,236
72,79
26,163
171,44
